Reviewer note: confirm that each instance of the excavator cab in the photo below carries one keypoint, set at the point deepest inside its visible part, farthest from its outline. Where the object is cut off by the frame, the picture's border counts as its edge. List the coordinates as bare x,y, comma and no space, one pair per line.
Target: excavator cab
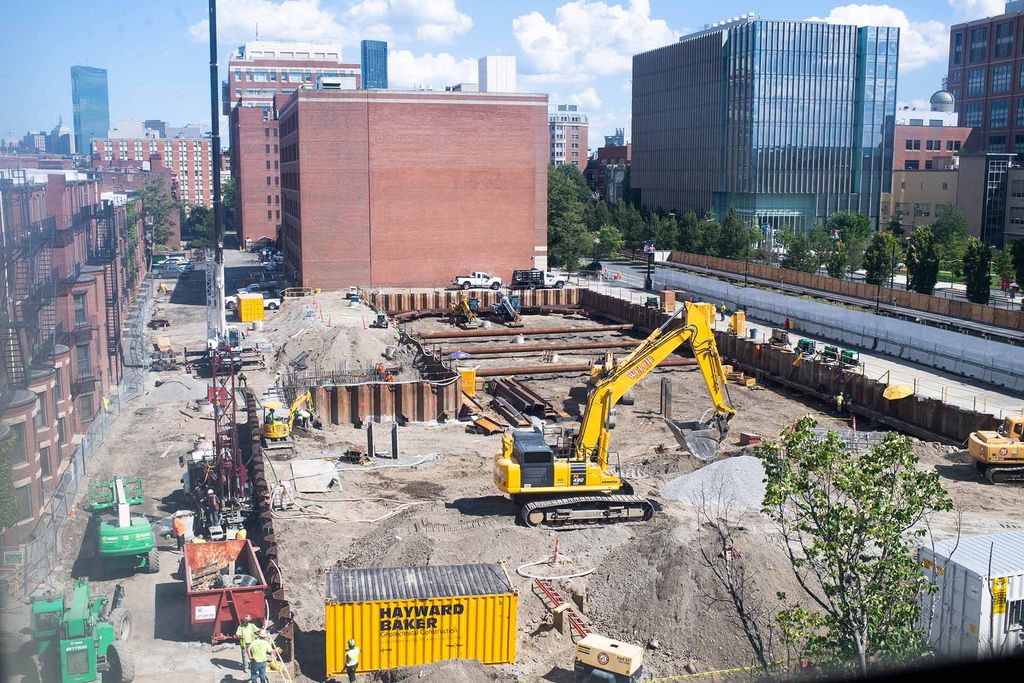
999,455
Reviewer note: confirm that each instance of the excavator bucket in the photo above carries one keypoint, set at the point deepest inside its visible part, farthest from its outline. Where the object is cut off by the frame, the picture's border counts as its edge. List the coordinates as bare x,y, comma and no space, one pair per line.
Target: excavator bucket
701,439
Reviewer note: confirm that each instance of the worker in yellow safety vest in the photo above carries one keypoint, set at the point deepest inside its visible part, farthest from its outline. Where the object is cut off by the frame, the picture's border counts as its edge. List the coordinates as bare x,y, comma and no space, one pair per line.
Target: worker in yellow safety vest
351,660
246,633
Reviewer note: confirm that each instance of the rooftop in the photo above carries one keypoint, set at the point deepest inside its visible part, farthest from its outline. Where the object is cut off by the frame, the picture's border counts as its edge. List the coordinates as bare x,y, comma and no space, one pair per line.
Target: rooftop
990,555
288,51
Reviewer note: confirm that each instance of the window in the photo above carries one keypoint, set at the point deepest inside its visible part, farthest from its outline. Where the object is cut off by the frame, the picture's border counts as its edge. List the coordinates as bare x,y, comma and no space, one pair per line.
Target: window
975,82
910,144
1015,615
61,436
267,149
958,48
935,122
82,357
1004,39
278,212
922,210
268,181
40,420
25,502
19,454
945,186
270,214
912,165
1017,215
81,315
998,114
1018,148
979,44
972,114
927,165
85,407
1001,78
1017,186
44,461
996,143
58,385
269,199
916,122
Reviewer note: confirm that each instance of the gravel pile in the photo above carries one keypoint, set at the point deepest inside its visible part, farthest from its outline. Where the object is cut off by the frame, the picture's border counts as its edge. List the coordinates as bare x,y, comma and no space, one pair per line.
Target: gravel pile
737,482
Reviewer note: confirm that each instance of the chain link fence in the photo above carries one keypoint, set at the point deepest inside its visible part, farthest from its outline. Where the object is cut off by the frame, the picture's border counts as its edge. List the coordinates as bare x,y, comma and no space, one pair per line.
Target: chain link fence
29,565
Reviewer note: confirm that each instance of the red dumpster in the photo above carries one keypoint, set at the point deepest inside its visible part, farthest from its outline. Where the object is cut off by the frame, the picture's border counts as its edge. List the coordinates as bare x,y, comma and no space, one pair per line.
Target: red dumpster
223,582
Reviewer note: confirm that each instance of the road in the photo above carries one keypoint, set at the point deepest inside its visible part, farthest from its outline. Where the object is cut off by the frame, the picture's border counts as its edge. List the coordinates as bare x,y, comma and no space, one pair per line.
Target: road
928,382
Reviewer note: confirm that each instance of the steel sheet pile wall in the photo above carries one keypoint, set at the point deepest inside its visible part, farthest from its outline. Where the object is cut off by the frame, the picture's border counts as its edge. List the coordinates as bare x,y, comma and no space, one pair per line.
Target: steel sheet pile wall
439,300
280,612
988,315
922,417
418,401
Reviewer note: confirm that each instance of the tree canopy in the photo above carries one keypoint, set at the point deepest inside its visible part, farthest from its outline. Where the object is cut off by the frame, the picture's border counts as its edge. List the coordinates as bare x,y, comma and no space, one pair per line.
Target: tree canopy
922,261
951,232
799,256
157,207
880,258
977,257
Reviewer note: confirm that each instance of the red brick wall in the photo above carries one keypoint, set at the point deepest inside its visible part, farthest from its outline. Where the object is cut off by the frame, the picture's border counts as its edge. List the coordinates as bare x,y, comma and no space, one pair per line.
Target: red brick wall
174,161
251,137
415,191
923,134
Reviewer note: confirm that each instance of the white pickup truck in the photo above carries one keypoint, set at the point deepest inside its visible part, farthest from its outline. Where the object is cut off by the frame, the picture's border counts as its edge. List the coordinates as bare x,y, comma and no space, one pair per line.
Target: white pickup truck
269,302
477,280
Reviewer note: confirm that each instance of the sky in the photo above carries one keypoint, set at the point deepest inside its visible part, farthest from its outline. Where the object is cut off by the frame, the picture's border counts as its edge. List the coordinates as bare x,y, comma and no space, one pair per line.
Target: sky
578,52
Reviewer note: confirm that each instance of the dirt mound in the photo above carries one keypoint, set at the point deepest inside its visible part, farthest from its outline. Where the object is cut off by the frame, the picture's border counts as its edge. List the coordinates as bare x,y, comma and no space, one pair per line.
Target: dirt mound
453,671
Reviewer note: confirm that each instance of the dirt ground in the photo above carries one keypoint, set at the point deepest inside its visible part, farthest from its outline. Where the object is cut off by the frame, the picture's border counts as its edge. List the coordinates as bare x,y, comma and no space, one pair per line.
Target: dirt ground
439,506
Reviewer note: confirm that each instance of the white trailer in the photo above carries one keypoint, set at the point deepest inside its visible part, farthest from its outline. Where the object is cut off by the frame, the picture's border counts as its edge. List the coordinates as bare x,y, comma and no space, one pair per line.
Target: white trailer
978,609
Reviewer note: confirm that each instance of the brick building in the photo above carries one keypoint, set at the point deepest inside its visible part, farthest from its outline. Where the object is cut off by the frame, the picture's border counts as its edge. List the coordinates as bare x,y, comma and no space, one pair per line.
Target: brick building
131,176
70,263
986,78
606,172
389,188
567,130
187,158
257,73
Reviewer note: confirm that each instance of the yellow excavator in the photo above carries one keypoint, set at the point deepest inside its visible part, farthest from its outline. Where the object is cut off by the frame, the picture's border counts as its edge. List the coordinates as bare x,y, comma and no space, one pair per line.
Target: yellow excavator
277,430
573,483
999,455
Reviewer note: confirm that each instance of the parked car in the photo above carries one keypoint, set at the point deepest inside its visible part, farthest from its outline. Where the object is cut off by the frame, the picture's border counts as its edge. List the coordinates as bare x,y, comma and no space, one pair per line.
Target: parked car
173,261
536,279
477,280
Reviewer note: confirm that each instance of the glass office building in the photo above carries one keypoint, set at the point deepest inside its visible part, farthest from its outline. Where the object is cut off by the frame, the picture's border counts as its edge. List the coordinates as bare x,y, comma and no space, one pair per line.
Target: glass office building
373,64
90,106
785,121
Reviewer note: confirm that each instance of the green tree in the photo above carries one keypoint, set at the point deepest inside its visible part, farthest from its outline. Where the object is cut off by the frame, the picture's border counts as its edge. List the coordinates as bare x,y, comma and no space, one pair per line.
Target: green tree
836,261
229,200
567,235
663,230
881,257
732,240
977,258
896,224
688,232
598,215
847,224
820,239
157,208
799,256
856,246
609,241
197,227
849,523
1017,253
10,508
631,223
1002,264
783,235
709,230
951,232
922,261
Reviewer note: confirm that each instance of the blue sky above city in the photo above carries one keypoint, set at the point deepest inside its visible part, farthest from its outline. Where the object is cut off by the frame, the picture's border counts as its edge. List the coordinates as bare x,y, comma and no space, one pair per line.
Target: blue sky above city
578,52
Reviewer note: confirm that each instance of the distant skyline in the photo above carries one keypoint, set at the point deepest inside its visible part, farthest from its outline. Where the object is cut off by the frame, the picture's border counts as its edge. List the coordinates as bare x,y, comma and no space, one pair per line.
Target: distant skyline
578,52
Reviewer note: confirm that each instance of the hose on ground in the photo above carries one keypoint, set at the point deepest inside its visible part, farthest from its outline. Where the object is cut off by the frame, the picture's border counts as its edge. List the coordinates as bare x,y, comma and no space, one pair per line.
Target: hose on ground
549,560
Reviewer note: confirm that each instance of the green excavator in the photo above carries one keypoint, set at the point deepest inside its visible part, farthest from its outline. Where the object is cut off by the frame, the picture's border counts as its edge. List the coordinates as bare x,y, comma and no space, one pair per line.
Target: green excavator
124,541
82,640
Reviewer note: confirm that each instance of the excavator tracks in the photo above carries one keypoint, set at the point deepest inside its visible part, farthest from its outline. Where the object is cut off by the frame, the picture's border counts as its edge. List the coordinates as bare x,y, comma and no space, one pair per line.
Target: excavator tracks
1001,475
579,512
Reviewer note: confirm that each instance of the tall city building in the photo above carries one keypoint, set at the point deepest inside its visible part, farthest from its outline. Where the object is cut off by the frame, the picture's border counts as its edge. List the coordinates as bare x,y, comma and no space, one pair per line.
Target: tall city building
61,139
188,160
375,193
257,73
617,140
785,121
496,73
986,79
373,64
567,130
90,105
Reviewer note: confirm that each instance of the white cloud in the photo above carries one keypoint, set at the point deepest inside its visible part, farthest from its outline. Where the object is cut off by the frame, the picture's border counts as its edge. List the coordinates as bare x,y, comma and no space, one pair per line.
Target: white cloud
589,37
587,97
920,42
978,9
436,21
406,69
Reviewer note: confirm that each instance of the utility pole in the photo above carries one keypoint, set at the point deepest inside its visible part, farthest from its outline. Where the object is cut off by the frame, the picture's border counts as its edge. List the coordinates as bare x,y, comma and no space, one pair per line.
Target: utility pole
218,209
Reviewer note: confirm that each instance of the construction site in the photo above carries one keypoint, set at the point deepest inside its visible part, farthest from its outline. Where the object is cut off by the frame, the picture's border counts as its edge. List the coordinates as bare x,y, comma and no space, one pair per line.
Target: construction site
555,453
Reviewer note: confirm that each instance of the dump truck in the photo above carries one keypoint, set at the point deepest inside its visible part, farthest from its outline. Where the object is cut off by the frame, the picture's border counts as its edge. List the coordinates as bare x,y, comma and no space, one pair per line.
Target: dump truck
999,455
83,639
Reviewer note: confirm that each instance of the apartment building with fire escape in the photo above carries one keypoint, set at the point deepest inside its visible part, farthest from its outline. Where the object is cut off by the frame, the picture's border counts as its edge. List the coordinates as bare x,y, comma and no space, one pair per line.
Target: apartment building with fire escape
69,263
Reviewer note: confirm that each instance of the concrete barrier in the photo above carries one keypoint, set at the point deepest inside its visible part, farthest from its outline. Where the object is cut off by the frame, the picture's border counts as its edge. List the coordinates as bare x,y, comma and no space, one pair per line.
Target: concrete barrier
987,361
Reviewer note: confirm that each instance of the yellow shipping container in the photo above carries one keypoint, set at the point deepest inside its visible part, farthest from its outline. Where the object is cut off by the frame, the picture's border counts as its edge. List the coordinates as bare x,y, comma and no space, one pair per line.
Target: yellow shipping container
406,616
250,307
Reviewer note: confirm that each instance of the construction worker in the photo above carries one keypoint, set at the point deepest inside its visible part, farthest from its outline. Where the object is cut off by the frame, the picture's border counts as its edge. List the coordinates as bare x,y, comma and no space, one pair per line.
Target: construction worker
277,379
351,660
261,650
243,379
246,633
839,403
178,528
388,377
212,508
721,311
